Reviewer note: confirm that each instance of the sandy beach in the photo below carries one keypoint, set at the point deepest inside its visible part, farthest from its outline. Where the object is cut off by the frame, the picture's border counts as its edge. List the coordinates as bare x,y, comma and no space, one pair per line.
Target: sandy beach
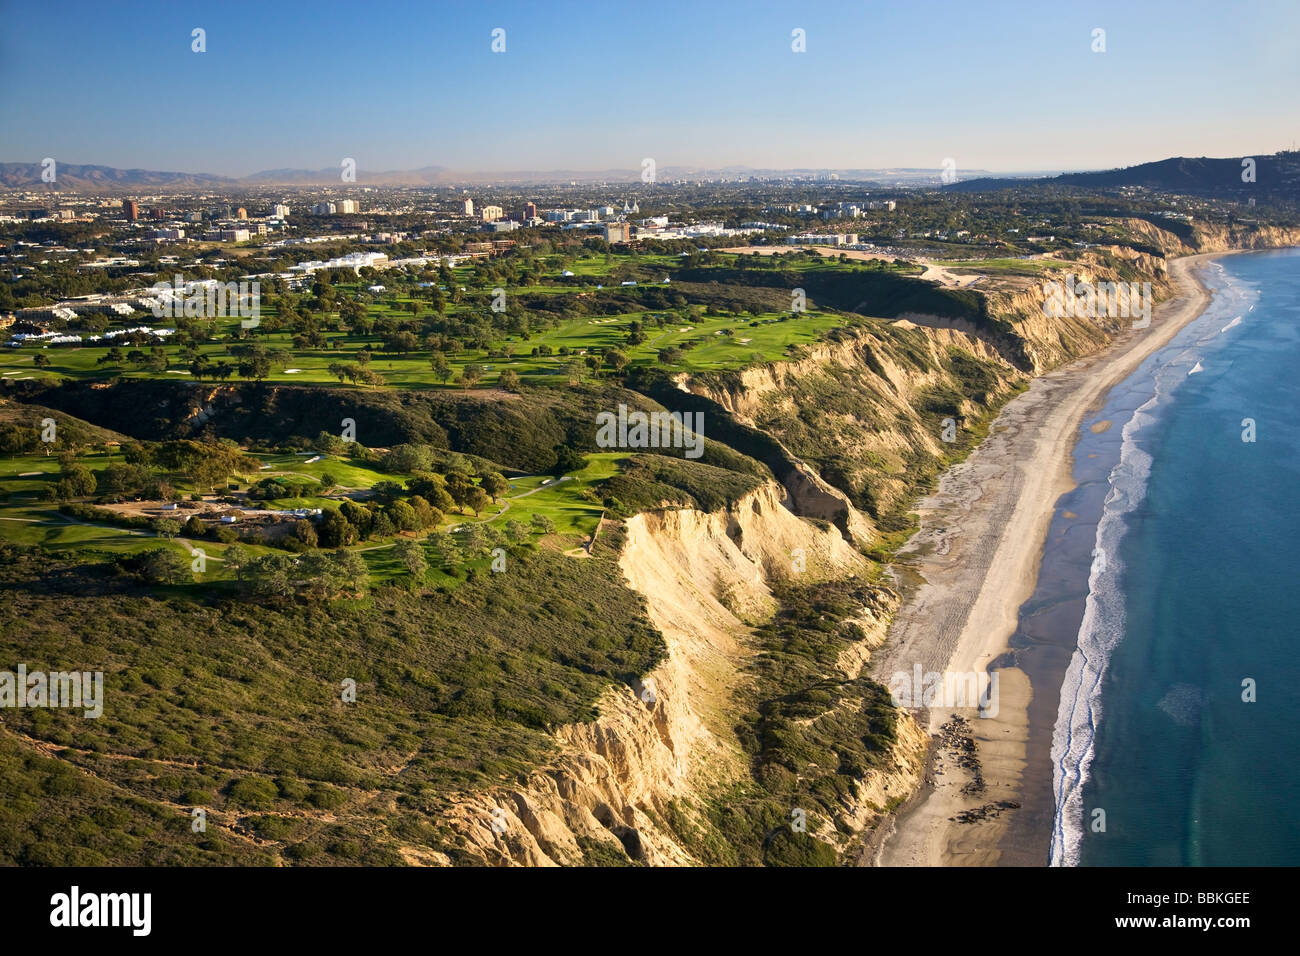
965,574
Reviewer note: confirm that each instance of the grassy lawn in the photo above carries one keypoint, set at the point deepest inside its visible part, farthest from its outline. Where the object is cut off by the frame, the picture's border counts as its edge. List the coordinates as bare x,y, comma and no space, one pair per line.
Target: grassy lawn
1027,267
715,351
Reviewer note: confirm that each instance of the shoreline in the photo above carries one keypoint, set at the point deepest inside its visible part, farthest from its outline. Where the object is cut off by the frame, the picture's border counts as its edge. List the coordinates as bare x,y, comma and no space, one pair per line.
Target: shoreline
971,566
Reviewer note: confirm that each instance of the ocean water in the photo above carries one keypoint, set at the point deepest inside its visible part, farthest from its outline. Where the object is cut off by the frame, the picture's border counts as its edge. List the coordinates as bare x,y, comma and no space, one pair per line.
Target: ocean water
1192,601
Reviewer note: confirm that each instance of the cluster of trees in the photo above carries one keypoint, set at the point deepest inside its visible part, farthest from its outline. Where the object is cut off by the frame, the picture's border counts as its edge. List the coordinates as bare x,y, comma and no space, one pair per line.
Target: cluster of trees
423,503
317,574
141,474
474,541
157,566
356,372
75,480
356,521
154,361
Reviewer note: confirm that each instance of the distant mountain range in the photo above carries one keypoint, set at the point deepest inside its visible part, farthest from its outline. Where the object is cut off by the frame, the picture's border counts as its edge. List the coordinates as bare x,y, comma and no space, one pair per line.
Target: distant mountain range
72,177
1275,176
100,178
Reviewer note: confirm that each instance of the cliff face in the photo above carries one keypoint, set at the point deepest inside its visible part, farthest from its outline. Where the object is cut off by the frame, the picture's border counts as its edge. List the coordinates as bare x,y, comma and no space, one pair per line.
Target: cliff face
874,414
662,747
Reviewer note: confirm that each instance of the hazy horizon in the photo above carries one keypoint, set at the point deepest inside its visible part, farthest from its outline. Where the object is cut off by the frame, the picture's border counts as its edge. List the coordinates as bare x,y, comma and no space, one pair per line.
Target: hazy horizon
1009,88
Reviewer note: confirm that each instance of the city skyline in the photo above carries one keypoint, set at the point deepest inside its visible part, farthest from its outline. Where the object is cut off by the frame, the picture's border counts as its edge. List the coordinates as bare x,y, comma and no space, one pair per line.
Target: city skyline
601,90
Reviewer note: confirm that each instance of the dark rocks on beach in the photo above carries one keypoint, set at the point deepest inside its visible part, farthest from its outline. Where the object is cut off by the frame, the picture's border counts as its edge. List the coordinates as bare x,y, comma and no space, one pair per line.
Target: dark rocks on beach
955,737
988,811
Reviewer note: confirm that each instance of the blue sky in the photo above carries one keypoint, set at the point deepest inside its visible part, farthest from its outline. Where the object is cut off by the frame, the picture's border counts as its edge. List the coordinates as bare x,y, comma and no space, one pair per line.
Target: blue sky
1001,85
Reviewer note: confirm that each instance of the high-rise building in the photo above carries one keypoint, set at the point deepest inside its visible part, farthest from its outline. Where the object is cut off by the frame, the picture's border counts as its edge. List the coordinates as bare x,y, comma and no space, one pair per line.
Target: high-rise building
492,213
132,210
241,213
348,206
530,210
617,232
280,211
467,207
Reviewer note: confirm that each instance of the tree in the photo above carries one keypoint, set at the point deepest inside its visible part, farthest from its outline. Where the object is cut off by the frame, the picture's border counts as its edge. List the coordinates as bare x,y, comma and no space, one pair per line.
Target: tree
471,374
330,443
433,489
359,516
78,482
271,575
401,343
516,531
407,459
386,491
164,566
383,526
335,531
476,539
166,528
458,487
349,569
403,516
327,481
255,367
495,484
441,367
448,551
543,524
411,555
567,460
305,532
477,499
428,515
41,361
509,380
135,453
368,377
236,559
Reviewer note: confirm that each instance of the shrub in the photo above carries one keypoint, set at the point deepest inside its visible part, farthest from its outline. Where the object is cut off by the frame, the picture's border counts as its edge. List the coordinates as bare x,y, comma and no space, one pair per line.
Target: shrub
253,793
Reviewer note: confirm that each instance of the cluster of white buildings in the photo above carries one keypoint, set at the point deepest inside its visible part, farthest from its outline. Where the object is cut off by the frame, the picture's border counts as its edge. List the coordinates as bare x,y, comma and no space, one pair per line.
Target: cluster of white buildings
343,207
69,338
828,239
353,260
839,210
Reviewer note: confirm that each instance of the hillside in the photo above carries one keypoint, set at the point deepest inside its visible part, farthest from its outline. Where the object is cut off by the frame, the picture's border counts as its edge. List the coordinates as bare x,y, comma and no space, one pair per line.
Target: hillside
1277,178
